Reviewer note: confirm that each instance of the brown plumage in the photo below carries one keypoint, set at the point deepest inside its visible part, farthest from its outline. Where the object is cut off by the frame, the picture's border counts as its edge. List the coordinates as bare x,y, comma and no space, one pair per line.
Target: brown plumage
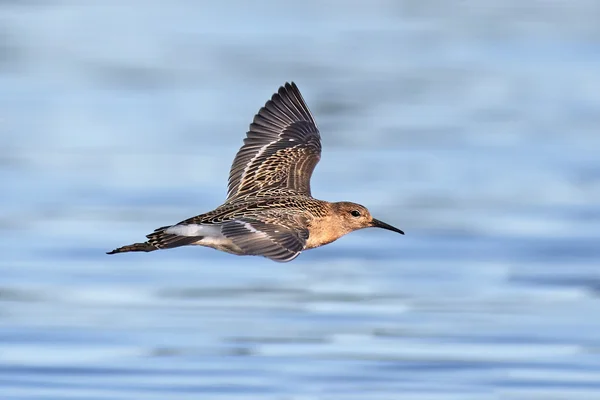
269,210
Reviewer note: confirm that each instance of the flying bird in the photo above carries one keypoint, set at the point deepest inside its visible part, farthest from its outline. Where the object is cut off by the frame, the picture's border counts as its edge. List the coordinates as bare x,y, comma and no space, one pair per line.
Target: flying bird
269,210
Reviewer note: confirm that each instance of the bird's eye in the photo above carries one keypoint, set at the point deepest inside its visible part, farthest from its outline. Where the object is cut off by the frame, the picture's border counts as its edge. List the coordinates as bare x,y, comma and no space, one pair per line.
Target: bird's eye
355,213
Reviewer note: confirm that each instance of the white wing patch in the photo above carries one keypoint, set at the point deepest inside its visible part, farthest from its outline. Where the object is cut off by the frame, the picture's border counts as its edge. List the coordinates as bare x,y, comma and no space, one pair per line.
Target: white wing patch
250,227
195,230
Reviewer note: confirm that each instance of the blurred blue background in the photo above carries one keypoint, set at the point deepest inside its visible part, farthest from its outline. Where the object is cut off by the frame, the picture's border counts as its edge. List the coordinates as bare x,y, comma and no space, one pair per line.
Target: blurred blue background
472,125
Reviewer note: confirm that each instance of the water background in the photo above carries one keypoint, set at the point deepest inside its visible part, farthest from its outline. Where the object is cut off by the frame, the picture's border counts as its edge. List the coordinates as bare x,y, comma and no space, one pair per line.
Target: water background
472,125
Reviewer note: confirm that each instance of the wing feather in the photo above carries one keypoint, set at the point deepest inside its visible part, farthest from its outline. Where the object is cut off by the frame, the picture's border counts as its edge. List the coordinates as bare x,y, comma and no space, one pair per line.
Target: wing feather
277,242
280,150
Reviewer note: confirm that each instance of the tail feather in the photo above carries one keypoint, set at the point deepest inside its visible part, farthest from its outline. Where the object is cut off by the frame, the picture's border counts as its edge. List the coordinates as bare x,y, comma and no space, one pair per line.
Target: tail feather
134,247
157,240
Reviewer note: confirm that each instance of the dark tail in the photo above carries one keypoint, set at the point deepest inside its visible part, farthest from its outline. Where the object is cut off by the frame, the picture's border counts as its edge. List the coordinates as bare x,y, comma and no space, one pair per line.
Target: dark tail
158,240
134,247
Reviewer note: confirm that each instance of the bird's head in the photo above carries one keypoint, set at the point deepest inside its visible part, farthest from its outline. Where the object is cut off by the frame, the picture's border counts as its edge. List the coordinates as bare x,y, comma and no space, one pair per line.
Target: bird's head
353,216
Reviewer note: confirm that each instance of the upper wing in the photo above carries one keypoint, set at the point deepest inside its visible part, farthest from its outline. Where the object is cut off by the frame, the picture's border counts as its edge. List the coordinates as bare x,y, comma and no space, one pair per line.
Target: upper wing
281,149
277,242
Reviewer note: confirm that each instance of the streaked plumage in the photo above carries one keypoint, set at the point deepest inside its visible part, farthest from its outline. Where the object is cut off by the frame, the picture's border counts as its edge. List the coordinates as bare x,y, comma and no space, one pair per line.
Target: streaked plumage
269,210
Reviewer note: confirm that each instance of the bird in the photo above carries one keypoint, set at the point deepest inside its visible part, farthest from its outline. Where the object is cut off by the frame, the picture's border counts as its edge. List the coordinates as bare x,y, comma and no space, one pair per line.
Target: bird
269,210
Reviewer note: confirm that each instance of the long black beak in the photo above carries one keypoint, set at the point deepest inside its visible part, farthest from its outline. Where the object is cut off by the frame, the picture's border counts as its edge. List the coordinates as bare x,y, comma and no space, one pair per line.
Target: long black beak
378,224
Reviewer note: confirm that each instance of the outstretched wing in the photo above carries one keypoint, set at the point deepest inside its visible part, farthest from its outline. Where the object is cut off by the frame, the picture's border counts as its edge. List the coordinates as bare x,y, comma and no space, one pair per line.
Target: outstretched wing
277,242
281,149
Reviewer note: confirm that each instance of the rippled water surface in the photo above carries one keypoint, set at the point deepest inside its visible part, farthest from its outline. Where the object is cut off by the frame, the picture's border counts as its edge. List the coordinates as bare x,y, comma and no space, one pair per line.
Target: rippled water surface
472,125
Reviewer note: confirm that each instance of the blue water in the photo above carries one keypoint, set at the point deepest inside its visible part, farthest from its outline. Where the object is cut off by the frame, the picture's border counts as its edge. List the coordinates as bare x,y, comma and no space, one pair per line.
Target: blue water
472,125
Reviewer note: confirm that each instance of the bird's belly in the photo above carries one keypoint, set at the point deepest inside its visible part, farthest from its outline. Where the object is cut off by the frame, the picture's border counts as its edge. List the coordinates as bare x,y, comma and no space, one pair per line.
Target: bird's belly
210,236
220,243
313,242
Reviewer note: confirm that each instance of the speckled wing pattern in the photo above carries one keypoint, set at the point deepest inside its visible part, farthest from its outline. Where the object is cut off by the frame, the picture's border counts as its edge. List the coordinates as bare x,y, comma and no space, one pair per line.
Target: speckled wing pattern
273,228
281,149
275,241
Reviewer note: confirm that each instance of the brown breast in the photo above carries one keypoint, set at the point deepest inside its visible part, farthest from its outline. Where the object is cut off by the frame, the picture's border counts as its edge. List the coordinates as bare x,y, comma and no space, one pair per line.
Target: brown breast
323,231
